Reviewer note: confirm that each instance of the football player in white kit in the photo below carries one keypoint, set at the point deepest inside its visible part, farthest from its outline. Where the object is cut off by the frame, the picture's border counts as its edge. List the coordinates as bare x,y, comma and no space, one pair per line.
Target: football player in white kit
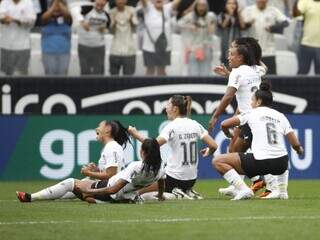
240,85
122,187
182,135
114,137
243,80
269,154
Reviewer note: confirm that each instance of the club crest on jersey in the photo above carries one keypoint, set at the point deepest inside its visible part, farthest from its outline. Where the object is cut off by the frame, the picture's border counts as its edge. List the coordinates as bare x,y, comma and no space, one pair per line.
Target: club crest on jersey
171,134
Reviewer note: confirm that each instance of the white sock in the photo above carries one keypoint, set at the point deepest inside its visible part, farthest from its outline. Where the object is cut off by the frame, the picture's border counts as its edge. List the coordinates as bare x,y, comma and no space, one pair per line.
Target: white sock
169,196
271,182
234,179
283,182
55,191
151,196
69,195
242,176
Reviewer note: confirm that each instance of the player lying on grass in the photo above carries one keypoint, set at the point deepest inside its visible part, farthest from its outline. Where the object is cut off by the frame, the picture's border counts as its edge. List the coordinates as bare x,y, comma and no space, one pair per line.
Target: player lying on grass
182,134
114,137
122,187
269,154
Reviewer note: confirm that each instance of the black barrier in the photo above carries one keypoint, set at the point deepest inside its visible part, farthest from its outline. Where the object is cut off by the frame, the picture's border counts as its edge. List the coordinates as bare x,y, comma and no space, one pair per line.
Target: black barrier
123,95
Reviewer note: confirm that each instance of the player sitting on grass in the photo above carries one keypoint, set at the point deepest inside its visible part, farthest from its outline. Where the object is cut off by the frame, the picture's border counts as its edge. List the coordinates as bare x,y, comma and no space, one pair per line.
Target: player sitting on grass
122,187
114,137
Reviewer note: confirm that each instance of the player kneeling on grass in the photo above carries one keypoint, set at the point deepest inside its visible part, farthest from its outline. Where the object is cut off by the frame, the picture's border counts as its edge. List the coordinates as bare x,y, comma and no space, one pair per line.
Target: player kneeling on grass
269,154
181,134
123,186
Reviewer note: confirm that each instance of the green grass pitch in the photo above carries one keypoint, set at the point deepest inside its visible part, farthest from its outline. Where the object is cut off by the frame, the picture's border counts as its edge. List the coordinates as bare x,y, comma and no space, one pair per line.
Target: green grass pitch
213,218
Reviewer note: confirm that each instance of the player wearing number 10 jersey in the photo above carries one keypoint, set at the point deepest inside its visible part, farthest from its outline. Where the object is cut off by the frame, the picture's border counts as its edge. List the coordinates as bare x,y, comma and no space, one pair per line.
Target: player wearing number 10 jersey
182,135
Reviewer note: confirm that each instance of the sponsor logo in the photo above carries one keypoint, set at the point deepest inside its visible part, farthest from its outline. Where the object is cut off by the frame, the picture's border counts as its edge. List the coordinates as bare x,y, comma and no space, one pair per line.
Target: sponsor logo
76,151
130,95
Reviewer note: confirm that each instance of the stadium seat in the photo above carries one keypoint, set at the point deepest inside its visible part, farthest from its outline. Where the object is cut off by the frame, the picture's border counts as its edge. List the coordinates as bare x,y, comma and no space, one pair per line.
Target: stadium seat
281,42
287,63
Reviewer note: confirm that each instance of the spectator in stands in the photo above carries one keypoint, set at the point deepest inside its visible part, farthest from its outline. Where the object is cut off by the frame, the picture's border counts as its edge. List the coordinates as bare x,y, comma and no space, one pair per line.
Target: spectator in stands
56,38
310,45
197,28
263,21
157,35
230,24
16,19
94,22
123,47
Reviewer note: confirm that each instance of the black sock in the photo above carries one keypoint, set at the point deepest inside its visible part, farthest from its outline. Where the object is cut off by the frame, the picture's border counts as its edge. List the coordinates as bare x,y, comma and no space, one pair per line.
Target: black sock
28,197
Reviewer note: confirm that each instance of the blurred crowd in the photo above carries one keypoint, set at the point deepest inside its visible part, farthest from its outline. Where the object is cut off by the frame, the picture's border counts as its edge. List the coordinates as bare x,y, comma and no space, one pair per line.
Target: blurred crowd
147,27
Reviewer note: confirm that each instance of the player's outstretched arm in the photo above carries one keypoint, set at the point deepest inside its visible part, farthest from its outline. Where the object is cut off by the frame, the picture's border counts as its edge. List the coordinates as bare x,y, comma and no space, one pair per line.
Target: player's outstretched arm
225,101
102,191
222,70
161,189
135,134
212,146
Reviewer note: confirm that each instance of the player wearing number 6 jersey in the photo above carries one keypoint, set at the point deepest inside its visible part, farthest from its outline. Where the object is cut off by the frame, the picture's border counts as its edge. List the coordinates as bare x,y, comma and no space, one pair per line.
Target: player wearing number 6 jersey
181,134
269,154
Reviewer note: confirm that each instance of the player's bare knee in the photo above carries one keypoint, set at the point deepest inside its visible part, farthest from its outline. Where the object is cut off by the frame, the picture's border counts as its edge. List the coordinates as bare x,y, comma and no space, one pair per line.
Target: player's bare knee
217,162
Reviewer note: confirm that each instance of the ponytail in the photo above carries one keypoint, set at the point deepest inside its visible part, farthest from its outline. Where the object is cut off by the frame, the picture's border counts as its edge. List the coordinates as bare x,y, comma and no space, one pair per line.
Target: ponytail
183,103
264,93
119,133
187,102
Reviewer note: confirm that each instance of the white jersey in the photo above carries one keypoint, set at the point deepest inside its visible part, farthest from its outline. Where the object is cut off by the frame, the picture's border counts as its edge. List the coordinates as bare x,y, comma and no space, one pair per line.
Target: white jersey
136,178
268,128
182,135
260,70
112,155
153,19
94,37
246,80
15,36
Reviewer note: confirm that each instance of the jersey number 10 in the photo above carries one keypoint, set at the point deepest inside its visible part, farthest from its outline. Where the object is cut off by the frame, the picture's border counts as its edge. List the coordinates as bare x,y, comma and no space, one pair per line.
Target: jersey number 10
190,153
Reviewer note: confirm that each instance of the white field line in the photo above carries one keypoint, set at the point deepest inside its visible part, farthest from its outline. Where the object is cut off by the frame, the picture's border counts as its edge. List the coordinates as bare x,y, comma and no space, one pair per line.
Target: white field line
167,220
